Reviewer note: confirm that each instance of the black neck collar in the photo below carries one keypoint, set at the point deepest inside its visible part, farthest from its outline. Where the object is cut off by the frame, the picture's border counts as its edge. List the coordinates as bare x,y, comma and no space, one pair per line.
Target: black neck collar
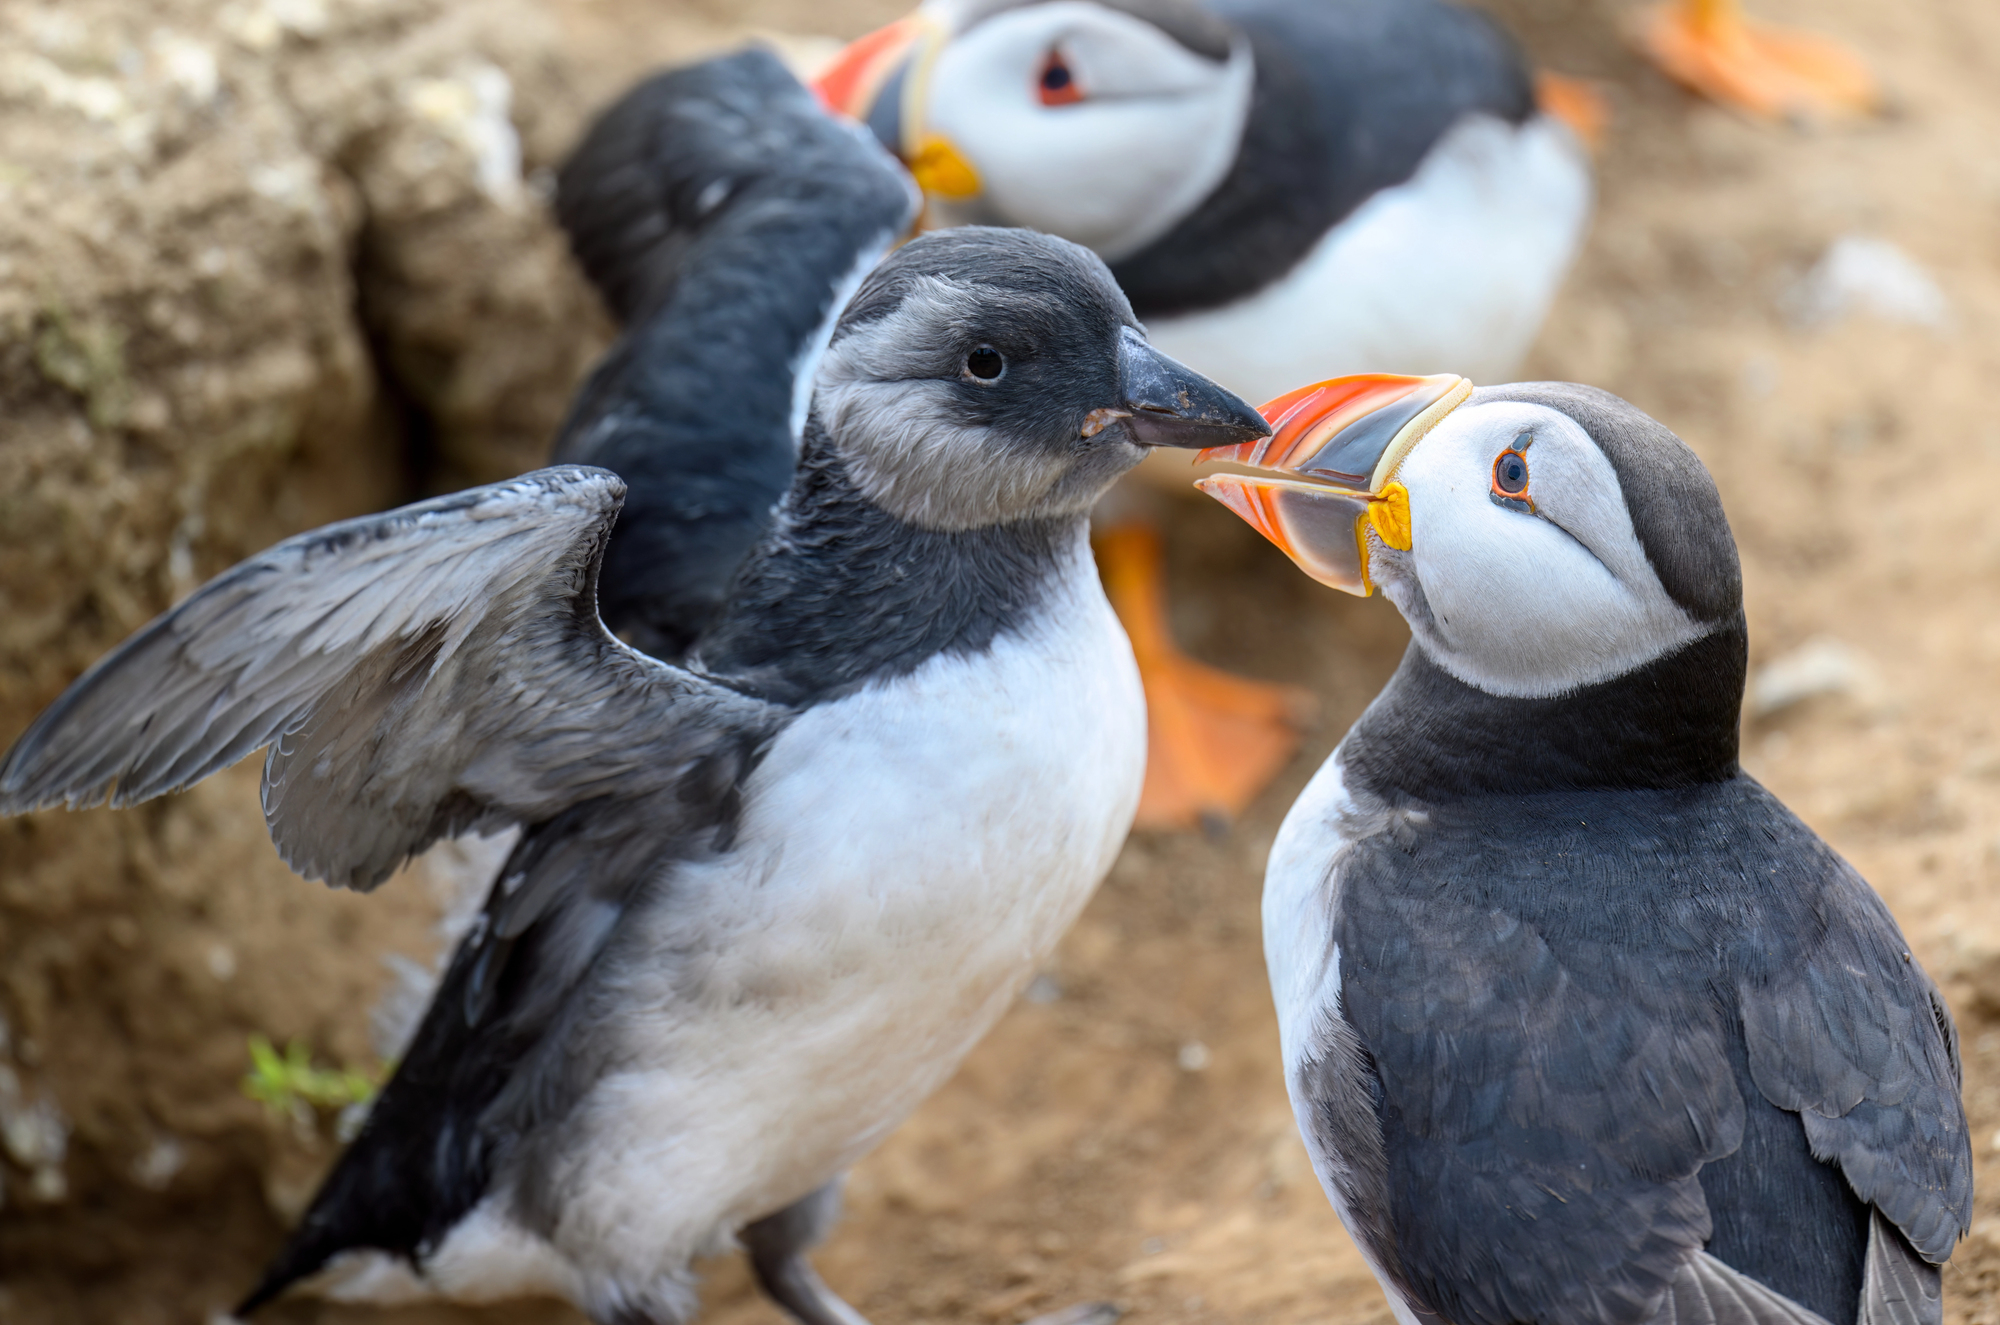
841,592
1672,723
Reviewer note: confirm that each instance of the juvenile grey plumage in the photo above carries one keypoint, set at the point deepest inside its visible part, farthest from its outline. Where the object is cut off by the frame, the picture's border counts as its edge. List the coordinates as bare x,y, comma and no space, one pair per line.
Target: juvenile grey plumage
1580,1023
757,912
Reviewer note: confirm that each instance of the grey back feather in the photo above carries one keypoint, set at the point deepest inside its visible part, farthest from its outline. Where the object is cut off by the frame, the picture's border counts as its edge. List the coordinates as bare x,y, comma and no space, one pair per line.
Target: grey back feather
415,674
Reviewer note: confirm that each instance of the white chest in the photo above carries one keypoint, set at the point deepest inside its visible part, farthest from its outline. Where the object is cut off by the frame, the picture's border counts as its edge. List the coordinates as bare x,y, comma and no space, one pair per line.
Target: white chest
1301,894
1451,271
908,856
1299,899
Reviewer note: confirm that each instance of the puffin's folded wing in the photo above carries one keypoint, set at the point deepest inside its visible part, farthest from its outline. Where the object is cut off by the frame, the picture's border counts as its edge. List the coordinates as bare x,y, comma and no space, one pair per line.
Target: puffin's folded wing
1855,1038
1707,1292
1898,1286
415,674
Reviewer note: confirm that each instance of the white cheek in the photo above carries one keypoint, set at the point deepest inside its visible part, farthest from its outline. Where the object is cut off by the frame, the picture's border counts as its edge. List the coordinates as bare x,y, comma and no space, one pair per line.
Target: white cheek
1520,607
1112,174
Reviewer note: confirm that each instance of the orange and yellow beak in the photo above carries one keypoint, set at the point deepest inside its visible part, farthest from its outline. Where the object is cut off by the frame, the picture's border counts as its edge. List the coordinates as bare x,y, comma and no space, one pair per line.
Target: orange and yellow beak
883,80
852,82
1338,445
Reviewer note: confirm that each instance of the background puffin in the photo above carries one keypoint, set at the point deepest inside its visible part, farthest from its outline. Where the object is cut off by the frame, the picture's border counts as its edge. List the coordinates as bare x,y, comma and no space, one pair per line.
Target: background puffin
759,910
725,218
1579,1022
1279,186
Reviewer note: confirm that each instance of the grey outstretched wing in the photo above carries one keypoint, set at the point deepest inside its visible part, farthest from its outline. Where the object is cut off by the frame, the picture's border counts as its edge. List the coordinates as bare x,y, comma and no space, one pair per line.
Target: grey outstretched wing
415,674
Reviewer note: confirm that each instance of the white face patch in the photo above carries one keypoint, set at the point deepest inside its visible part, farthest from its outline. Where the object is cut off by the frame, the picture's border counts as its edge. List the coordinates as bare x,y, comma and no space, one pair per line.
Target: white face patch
1154,133
1518,604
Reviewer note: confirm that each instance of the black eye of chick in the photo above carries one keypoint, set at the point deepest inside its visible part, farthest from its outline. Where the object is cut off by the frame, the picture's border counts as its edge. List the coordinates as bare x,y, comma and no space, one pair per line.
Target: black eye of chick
1510,473
985,363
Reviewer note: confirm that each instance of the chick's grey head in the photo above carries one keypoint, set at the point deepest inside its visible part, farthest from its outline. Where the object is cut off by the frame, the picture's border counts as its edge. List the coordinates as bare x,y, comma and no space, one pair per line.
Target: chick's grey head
981,376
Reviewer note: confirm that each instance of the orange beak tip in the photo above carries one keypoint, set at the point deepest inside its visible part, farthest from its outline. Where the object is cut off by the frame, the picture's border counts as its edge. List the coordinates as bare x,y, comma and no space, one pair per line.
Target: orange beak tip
848,84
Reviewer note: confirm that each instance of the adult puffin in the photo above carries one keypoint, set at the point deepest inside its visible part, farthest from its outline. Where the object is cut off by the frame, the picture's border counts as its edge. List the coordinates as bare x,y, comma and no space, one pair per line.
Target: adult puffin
1580,1023
1279,186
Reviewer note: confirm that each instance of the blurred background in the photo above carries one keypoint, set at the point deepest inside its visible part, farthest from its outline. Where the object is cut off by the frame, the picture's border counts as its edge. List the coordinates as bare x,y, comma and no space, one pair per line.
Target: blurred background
268,263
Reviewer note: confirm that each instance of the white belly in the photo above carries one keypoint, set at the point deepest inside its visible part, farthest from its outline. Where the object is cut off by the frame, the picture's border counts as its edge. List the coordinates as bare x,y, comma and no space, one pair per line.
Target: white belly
908,857
1303,962
1452,271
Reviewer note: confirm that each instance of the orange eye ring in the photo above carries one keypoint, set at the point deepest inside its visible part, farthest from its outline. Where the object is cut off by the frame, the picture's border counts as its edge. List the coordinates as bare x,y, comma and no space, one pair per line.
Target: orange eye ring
1510,481
1056,85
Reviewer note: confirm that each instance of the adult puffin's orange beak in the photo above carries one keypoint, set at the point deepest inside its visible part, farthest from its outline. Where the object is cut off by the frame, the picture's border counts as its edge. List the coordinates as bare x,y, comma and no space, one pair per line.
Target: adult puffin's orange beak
851,83
883,80
1343,439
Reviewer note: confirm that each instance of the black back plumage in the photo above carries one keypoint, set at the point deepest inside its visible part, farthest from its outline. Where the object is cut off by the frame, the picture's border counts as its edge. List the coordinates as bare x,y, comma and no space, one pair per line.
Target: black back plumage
721,213
1350,96
1605,999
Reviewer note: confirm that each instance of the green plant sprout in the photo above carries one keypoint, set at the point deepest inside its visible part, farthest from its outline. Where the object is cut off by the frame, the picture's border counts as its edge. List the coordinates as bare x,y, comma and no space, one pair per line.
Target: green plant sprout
290,1086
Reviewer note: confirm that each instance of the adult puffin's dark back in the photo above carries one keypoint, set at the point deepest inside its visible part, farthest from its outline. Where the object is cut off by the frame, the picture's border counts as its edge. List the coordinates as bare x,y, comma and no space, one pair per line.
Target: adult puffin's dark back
1351,95
724,217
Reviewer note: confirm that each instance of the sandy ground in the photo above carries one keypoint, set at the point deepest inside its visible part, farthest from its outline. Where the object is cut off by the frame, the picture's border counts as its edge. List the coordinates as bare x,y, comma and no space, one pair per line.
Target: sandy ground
1127,1137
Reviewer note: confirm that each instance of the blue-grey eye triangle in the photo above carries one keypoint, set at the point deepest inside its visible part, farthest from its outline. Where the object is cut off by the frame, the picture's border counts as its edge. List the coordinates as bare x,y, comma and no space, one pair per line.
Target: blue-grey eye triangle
1350,454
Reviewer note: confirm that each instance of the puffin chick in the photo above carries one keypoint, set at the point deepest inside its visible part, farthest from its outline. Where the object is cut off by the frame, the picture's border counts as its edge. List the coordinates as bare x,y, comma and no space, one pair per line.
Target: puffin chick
761,906
1579,1022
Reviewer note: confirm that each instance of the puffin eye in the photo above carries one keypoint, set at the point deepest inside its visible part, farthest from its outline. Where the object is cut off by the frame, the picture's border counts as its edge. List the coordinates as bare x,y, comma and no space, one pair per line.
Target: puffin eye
1057,85
985,363
1510,480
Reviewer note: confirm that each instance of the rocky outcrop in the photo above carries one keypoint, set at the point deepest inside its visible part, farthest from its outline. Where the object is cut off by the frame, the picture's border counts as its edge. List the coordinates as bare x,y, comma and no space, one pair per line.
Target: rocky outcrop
263,264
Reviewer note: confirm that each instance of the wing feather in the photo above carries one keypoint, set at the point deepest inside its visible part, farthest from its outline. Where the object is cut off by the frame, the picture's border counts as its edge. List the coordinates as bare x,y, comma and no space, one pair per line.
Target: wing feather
414,674
1899,1287
1854,1038
1707,1292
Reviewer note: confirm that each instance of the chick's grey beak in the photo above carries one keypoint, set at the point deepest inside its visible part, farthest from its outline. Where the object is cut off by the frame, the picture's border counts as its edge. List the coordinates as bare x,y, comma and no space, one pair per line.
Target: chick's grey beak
1170,404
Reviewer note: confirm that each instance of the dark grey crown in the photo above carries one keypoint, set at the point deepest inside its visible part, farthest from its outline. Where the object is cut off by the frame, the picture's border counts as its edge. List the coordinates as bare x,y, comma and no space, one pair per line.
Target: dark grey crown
1047,279
1676,511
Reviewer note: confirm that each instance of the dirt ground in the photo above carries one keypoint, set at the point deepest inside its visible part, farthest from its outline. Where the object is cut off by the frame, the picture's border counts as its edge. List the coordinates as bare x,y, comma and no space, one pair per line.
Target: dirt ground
1124,1133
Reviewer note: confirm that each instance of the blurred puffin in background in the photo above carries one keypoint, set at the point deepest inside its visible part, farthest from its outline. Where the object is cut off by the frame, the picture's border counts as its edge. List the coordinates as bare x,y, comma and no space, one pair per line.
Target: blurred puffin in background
1281,187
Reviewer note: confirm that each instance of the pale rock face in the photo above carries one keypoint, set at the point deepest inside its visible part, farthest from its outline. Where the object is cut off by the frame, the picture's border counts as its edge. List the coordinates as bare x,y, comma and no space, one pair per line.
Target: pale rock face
194,374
